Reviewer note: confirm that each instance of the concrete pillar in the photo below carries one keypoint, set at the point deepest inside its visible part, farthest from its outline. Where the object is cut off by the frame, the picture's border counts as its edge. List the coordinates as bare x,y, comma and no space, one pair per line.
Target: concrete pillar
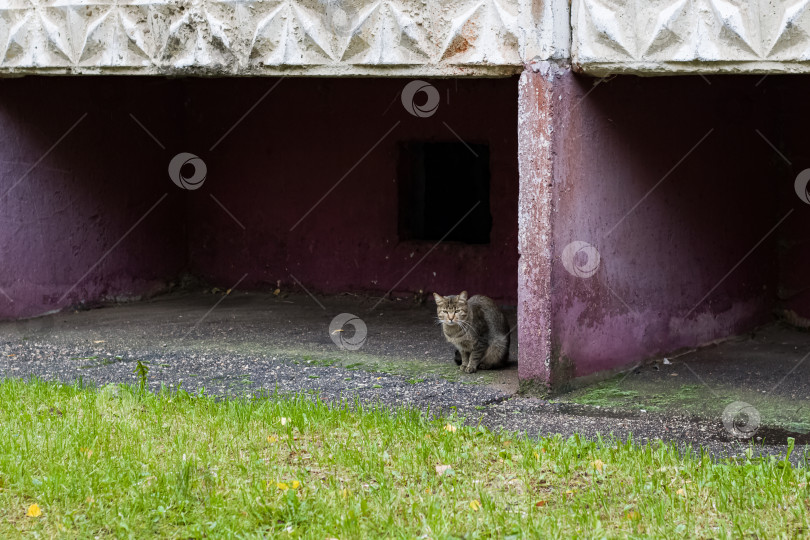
535,138
650,215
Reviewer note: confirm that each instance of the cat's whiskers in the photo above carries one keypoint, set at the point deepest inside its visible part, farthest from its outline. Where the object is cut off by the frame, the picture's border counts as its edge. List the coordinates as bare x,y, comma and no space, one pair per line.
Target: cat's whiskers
467,327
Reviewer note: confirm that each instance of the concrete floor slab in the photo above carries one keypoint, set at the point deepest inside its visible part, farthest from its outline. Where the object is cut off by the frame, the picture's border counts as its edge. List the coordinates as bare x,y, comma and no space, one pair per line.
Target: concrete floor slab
767,370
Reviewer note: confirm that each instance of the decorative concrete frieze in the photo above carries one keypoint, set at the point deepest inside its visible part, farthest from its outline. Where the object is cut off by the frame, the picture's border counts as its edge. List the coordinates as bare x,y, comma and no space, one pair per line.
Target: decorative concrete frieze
690,36
272,37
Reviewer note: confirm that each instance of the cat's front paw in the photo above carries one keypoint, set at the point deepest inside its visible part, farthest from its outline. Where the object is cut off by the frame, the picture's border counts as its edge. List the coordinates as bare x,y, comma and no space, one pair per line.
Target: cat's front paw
469,369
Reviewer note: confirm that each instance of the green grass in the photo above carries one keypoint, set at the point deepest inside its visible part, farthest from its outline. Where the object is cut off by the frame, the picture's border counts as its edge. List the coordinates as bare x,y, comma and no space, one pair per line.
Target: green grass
117,462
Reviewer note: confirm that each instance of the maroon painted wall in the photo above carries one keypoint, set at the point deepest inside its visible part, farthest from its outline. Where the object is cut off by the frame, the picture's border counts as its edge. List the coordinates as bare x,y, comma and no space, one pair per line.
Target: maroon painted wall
702,205
793,140
75,193
65,233
298,143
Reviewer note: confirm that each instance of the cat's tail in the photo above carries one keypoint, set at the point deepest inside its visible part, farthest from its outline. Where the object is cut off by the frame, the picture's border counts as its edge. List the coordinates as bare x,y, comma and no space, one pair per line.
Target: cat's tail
497,353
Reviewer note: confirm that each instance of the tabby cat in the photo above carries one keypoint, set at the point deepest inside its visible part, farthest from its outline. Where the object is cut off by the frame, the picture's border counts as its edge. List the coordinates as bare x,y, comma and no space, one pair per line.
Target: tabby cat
478,329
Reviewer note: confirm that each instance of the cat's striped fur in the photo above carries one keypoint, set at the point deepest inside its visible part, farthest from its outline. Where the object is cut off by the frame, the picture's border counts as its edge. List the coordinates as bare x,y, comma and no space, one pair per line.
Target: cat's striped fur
477,328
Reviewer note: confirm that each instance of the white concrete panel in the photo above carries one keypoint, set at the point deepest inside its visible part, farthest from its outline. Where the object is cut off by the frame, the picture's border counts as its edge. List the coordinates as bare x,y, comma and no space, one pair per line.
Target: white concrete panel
273,37
691,36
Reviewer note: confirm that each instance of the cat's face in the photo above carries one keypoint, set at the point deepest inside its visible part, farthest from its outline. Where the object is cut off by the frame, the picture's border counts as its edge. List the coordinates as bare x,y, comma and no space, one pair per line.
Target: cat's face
451,309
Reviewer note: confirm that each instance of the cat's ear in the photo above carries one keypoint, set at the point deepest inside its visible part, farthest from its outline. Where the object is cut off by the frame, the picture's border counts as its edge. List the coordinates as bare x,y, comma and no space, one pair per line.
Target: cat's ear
463,296
439,299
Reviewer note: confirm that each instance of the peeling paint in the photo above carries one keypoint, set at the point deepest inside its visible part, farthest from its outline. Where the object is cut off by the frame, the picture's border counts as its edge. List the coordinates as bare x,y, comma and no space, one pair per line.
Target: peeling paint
534,229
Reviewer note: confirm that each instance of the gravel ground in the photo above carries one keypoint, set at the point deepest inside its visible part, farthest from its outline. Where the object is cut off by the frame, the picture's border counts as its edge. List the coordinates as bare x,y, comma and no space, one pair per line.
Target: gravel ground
254,343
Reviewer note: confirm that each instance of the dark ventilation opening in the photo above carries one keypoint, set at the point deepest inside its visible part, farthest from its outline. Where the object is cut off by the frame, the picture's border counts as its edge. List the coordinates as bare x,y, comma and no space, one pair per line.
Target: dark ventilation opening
438,184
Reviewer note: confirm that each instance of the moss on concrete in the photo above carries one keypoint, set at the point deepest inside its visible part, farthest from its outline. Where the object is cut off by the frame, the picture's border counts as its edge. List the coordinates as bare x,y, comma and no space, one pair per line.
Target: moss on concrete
694,400
533,388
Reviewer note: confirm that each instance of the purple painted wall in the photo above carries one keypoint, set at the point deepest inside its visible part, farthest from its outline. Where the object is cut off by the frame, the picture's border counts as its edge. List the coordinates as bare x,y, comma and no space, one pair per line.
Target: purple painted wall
794,142
690,227
67,196
280,163
65,236
672,184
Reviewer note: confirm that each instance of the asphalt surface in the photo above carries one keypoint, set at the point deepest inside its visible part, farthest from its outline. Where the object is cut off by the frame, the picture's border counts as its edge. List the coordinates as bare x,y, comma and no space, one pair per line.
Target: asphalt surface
251,344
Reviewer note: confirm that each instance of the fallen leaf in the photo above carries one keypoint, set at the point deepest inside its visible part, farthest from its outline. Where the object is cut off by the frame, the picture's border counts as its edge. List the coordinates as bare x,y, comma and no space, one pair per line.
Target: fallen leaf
450,427
86,451
345,493
295,484
598,465
441,469
282,486
276,292
681,492
272,438
632,514
475,505
541,503
33,511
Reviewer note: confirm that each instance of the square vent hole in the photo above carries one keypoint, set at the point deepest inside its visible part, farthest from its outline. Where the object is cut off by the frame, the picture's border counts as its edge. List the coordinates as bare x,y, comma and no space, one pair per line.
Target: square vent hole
439,184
